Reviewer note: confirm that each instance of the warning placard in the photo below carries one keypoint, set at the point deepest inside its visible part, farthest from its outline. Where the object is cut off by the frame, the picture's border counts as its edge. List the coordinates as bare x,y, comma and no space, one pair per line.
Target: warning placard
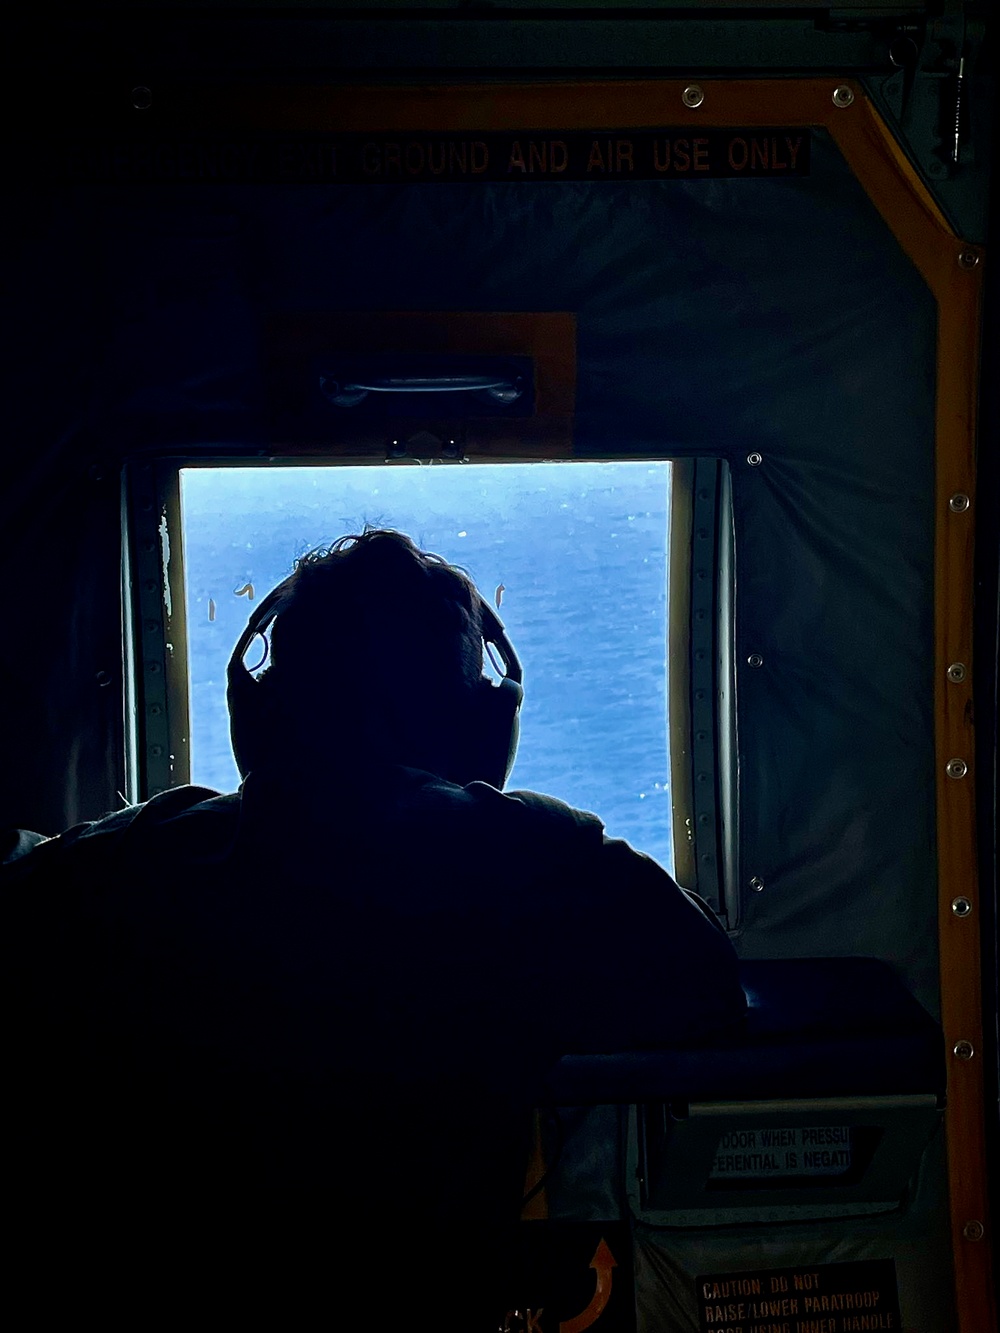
766,1151
667,153
819,1298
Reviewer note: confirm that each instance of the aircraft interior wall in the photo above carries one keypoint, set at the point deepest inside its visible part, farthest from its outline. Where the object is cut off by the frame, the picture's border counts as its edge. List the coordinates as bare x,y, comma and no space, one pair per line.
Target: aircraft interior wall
776,323
727,318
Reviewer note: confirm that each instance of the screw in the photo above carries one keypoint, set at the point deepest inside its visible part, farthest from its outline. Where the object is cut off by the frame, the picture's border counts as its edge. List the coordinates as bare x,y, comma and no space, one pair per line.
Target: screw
959,502
755,660
956,672
956,768
155,709
935,168
968,258
102,678
755,459
156,751
963,1050
961,906
843,96
757,884
973,1231
692,96
142,98
153,668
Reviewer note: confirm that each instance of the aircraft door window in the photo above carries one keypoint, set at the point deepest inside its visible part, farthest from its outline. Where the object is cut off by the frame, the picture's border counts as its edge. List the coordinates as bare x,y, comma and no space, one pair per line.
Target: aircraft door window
576,557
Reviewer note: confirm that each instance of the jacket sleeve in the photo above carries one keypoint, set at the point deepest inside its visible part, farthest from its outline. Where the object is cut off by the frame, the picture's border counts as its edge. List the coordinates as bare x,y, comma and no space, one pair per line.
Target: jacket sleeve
647,963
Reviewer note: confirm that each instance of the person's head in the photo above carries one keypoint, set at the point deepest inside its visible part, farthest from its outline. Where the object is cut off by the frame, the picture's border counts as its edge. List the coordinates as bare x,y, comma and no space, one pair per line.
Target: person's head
376,655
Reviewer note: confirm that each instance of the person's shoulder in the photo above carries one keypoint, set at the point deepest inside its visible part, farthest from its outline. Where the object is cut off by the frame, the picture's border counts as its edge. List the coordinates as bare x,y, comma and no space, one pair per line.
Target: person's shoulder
27,853
548,808
540,821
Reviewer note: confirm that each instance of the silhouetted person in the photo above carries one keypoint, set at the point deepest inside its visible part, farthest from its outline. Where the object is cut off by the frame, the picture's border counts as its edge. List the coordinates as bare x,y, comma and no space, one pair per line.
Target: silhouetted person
279,1047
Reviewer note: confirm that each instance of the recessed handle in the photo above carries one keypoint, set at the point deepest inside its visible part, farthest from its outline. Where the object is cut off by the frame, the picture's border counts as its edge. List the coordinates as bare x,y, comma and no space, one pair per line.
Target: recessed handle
349,392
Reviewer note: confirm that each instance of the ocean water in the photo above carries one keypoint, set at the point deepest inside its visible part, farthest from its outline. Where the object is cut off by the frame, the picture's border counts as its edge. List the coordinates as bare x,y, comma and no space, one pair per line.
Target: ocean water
580,550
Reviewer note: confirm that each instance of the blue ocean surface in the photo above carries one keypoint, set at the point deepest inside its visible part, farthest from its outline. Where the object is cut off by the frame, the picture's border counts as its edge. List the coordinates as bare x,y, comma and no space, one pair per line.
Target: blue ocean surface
579,551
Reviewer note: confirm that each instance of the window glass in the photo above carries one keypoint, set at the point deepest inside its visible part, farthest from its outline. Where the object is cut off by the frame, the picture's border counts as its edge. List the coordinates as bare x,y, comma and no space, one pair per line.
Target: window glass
576,553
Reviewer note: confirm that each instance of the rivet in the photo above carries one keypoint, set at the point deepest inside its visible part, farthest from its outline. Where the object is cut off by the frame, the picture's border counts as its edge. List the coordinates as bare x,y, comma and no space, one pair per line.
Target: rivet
963,1050
956,672
935,168
755,660
956,768
959,502
142,98
968,258
961,906
102,678
843,96
973,1231
757,884
692,95
755,459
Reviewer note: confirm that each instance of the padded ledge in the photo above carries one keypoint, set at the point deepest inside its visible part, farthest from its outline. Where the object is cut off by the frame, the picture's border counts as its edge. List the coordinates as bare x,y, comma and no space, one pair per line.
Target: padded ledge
816,1027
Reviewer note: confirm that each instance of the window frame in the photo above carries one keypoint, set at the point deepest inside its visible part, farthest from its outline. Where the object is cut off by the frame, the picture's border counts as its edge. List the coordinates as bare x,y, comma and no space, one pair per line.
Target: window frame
158,751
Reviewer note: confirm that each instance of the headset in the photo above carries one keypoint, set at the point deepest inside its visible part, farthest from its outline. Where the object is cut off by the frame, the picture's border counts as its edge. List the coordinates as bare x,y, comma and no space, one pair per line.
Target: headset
492,732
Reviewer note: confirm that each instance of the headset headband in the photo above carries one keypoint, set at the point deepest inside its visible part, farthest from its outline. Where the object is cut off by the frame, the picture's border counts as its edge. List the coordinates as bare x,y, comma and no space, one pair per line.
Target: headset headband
493,632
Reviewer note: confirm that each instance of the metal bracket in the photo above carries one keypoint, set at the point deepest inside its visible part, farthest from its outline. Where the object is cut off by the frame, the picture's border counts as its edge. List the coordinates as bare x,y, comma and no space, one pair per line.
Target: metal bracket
704,686
939,108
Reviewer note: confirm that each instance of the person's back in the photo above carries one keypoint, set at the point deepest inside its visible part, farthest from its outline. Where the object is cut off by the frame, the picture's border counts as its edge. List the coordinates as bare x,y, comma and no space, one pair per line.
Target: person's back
306,1022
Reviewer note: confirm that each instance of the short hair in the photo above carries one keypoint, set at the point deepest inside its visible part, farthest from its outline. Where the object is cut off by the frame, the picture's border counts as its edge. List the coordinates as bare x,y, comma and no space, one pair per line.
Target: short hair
368,623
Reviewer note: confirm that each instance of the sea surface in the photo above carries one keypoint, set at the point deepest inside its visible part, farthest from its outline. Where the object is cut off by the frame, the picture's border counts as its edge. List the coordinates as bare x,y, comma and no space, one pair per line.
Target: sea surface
579,550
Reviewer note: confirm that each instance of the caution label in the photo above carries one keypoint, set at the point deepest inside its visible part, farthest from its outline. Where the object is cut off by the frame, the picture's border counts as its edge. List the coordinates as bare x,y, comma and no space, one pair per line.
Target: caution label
531,156
766,1153
821,1298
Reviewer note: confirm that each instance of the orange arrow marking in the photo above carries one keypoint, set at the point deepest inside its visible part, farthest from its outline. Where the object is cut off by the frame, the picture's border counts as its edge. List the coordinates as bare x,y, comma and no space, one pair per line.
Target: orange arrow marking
603,1261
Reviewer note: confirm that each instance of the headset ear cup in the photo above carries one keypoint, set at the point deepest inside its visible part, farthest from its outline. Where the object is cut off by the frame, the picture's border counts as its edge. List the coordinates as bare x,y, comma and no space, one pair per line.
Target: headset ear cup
249,719
495,732
240,703
514,731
